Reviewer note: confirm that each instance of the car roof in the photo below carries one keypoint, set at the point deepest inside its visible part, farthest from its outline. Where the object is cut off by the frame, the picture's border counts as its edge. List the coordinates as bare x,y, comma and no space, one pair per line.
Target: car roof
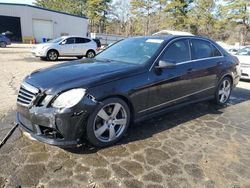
76,36
169,37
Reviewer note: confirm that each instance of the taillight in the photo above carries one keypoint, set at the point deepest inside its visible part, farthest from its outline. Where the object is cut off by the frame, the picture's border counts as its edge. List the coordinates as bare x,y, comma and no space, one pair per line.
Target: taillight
98,49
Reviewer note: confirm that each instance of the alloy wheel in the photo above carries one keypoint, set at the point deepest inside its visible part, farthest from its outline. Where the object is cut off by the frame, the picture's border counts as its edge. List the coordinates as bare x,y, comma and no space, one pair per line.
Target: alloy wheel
53,56
110,122
225,90
91,54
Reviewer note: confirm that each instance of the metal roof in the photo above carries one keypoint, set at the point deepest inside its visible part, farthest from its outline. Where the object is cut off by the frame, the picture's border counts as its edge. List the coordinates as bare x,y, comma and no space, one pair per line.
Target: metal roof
172,32
36,7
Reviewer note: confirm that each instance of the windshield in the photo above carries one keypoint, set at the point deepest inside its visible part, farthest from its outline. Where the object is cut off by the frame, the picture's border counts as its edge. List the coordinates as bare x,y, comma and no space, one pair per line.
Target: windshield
133,50
244,51
56,40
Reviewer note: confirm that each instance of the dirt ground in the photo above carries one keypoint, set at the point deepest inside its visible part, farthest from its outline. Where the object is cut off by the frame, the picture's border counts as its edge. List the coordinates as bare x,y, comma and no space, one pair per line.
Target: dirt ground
196,146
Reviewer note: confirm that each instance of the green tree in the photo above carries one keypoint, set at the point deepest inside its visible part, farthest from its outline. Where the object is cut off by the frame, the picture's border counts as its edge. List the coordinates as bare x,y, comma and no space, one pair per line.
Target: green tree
97,11
70,6
142,11
120,17
239,12
201,18
177,11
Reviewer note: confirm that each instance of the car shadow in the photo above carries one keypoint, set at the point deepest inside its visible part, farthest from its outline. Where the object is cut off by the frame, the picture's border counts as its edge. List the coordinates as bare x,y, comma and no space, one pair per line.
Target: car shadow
60,59
169,120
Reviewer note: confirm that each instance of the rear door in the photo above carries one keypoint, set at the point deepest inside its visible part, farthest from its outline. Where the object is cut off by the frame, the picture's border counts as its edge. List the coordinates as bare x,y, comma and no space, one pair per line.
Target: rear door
208,64
82,45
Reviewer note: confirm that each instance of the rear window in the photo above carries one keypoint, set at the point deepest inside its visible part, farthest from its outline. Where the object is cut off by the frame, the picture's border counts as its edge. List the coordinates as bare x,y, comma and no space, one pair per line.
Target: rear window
82,40
201,49
216,52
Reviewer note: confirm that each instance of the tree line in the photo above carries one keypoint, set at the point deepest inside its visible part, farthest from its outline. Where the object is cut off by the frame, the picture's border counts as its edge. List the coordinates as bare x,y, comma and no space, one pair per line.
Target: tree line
224,20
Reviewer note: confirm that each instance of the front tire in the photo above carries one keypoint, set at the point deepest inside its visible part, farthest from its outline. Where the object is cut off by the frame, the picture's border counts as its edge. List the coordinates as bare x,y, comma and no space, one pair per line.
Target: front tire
223,91
3,44
52,55
108,123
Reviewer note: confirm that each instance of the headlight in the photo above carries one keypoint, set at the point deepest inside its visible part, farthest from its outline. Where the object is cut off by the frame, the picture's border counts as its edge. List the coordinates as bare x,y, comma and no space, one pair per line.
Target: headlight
47,99
69,98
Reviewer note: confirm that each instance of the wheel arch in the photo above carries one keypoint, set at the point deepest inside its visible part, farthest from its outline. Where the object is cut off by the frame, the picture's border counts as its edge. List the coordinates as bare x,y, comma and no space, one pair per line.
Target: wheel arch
230,77
52,49
127,101
90,50
227,75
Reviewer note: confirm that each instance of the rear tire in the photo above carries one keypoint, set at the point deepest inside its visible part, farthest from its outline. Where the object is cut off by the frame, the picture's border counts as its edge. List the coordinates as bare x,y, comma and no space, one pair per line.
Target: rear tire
52,55
108,123
90,54
223,91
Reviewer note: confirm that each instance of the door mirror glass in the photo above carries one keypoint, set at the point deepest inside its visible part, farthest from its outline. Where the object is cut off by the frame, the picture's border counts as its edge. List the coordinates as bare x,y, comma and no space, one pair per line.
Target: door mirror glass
63,42
163,64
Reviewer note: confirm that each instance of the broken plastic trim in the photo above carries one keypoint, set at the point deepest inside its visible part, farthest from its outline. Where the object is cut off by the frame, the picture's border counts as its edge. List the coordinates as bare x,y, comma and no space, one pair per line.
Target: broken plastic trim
92,98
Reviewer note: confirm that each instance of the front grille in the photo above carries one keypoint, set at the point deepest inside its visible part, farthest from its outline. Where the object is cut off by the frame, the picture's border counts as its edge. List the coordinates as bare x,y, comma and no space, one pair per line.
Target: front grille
27,94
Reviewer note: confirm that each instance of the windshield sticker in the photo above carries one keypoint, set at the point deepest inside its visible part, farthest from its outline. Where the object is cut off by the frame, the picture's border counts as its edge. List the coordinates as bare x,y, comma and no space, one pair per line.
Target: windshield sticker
154,41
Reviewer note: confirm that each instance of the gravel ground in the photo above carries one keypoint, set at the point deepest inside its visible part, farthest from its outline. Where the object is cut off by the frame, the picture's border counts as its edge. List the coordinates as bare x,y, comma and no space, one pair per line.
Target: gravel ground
196,146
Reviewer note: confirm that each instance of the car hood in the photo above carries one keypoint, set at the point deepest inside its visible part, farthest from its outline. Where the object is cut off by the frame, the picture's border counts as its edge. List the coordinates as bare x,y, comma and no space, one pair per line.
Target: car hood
85,73
244,59
39,46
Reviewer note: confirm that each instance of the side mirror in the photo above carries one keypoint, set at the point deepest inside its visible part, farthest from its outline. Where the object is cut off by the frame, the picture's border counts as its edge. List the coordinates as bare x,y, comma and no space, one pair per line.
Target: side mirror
165,64
63,42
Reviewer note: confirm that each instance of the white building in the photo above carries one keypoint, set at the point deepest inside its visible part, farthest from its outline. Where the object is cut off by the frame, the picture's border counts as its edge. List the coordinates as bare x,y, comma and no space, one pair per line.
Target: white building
27,22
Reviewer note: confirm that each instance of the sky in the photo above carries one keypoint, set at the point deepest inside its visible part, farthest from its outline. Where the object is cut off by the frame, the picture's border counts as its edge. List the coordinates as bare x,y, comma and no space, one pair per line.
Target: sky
18,1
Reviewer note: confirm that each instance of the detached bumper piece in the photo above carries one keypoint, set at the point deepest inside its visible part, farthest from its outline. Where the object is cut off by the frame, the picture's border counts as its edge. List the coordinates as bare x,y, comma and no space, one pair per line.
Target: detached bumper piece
44,134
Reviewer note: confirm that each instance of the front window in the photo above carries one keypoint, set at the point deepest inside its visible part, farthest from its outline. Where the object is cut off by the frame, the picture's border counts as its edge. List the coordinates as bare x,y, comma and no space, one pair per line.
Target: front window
244,51
70,41
177,52
133,50
57,40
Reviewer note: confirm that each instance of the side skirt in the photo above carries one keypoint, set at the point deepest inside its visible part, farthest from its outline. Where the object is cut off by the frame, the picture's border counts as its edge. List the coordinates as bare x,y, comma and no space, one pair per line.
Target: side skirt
169,109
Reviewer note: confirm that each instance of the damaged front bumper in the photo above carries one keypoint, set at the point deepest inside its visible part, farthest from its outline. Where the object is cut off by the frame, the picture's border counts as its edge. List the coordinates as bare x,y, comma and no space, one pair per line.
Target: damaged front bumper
60,127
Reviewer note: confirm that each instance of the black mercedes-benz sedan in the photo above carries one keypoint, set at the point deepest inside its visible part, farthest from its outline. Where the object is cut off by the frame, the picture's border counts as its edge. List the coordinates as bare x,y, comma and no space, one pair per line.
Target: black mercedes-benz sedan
96,99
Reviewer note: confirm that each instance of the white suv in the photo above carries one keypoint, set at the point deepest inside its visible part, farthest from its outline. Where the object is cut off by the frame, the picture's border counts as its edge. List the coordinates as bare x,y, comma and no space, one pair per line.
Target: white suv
67,46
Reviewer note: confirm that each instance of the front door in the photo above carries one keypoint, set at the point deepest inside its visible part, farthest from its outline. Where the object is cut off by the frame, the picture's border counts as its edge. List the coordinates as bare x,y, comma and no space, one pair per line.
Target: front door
67,47
171,85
